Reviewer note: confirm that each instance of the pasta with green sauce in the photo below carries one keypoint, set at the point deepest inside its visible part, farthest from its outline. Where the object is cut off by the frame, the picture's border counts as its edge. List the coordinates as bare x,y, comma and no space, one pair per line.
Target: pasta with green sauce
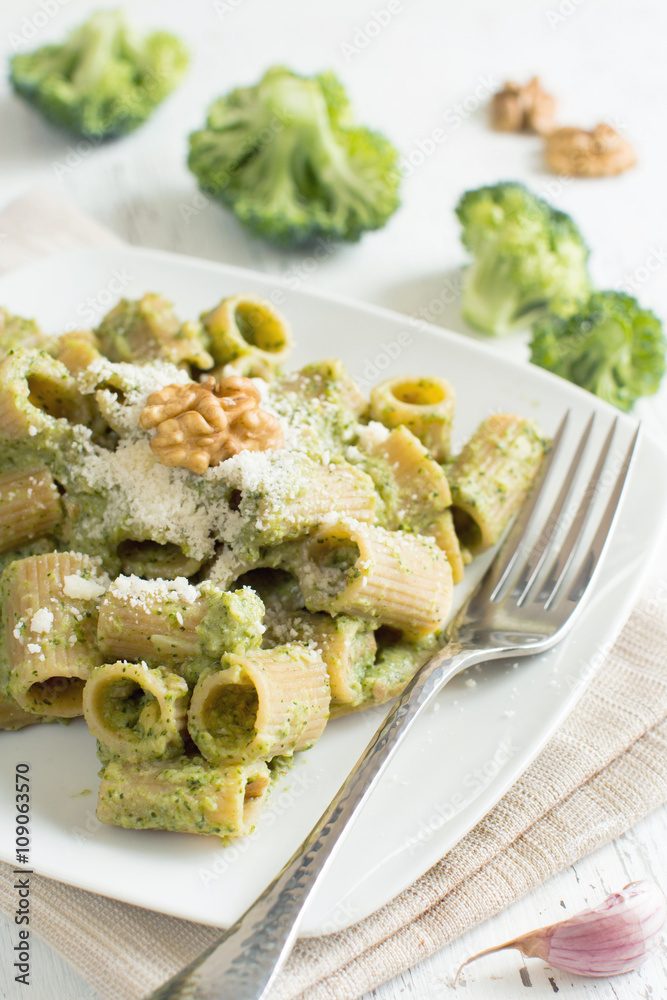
209,559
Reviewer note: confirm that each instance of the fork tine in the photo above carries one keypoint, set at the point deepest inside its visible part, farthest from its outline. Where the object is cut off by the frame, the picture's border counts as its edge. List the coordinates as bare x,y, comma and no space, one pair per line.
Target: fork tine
505,561
599,541
543,546
565,554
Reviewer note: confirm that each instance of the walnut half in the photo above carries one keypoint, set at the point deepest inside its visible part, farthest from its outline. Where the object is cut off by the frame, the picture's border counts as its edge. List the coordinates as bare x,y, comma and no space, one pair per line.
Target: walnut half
202,424
522,108
575,152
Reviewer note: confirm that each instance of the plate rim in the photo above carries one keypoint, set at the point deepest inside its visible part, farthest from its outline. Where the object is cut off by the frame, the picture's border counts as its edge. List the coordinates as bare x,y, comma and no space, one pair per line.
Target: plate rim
473,341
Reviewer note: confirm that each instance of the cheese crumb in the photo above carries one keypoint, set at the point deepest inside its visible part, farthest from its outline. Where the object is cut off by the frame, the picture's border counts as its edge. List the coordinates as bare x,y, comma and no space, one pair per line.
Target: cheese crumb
34,647
372,435
42,621
79,589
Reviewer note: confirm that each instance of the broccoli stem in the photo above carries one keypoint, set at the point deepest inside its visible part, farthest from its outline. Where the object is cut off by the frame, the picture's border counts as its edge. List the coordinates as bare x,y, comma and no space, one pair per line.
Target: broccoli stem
96,42
493,303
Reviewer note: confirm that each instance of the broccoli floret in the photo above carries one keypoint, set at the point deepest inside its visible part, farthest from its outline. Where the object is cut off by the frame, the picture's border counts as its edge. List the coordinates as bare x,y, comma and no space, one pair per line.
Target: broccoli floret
288,159
612,347
529,258
102,80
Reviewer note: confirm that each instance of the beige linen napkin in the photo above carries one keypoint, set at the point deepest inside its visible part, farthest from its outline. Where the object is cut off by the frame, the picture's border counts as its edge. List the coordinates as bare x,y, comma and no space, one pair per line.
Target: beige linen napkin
603,770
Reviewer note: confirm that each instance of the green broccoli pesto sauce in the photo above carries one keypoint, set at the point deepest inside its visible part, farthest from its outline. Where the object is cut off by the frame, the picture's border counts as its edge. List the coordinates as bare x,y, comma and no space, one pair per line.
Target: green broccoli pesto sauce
230,718
182,796
232,624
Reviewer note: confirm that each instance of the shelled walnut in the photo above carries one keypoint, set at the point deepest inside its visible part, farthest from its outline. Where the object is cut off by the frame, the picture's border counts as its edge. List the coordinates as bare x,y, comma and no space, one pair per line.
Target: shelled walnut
578,153
202,424
522,108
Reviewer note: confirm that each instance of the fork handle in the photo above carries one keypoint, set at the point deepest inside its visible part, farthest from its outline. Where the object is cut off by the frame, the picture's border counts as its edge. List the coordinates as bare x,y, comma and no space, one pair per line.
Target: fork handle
243,963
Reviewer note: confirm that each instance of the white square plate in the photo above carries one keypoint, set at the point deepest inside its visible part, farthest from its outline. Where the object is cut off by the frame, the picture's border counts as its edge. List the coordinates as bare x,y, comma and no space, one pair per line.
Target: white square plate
482,732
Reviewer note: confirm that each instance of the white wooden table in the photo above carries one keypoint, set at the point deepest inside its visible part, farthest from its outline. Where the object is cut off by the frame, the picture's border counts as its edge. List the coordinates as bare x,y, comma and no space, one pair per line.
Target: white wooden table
429,68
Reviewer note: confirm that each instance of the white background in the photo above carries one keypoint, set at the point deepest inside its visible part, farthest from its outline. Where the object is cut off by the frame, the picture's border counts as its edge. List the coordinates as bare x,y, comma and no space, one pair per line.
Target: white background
428,69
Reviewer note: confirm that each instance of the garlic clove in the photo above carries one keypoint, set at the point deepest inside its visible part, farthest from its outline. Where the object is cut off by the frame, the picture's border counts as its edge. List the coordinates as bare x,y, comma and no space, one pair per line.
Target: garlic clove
606,940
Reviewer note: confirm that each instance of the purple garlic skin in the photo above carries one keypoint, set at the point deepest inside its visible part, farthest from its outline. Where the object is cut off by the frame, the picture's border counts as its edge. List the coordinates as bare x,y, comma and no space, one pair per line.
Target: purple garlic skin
609,939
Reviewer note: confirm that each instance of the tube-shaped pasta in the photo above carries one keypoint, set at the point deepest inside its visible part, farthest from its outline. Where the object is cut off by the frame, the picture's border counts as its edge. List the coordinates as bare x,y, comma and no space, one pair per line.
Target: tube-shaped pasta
37,394
250,334
326,487
395,665
421,486
136,711
12,716
424,405
30,507
77,350
50,617
347,646
153,620
145,328
16,332
263,703
155,560
330,381
442,530
491,477
396,662
394,577
187,795
166,622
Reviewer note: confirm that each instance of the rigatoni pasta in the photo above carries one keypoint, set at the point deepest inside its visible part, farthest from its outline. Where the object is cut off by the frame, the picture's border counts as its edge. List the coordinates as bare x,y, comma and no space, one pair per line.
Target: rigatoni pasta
421,490
12,716
77,350
37,395
423,405
149,328
151,620
135,711
30,507
261,704
325,487
50,620
249,334
347,645
395,578
491,476
211,568
187,795
328,381
441,529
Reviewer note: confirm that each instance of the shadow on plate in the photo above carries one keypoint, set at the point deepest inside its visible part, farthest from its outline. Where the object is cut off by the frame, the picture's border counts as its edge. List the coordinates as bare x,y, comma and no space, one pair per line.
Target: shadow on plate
434,298
26,137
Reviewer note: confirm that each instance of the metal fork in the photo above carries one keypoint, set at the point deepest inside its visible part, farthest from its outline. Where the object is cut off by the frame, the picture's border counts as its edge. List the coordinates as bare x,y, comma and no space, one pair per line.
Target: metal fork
502,618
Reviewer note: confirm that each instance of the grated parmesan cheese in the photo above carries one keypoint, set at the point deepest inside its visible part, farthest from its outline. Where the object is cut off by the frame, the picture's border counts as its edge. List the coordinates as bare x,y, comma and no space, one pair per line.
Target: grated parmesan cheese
372,435
42,621
145,594
78,588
